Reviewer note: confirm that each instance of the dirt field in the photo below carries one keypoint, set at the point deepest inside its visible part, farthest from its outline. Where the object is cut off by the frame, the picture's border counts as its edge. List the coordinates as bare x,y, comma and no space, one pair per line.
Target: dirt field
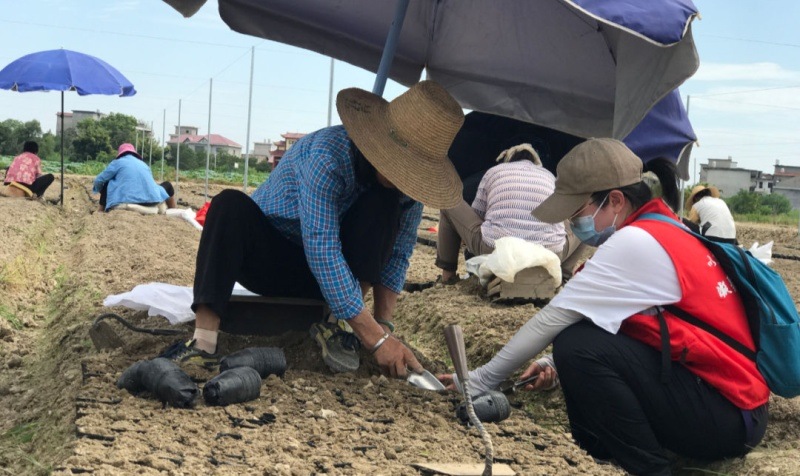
61,412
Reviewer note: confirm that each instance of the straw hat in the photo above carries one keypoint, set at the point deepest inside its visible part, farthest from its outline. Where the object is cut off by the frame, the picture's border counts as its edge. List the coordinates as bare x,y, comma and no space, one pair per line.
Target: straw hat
407,139
127,148
699,188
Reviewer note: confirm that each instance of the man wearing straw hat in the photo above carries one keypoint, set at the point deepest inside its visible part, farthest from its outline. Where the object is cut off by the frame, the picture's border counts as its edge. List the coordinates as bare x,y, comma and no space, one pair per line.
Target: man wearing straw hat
336,218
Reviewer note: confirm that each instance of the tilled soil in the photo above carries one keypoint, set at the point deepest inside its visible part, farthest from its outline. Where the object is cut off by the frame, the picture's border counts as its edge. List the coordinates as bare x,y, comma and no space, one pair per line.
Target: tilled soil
61,412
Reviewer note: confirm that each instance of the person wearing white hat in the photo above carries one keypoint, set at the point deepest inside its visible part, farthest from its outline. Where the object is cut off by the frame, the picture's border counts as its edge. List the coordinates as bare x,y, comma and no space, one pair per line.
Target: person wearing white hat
338,216
638,379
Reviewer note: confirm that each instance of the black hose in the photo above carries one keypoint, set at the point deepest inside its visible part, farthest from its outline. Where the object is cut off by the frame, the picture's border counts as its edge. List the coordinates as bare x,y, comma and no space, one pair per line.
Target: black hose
126,323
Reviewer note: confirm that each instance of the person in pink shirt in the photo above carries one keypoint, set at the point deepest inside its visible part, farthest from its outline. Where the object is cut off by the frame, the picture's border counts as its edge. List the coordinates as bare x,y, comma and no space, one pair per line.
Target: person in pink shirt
24,177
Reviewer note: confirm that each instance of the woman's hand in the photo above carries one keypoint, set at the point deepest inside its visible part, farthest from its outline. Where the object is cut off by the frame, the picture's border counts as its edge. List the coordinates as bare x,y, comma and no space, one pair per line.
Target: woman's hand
448,381
548,378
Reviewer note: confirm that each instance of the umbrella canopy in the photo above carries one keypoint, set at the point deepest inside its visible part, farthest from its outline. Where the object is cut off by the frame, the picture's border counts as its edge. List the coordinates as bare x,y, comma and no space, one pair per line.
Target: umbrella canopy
591,68
664,132
64,70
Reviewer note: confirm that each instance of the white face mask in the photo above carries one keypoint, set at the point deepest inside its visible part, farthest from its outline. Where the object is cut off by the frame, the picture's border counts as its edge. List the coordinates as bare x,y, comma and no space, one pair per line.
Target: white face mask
584,228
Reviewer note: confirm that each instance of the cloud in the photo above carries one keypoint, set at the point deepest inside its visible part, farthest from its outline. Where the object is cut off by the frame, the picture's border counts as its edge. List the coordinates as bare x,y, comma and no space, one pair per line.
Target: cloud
761,72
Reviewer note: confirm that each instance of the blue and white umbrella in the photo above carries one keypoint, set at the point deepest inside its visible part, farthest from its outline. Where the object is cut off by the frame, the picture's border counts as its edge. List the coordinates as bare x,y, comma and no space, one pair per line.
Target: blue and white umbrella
64,70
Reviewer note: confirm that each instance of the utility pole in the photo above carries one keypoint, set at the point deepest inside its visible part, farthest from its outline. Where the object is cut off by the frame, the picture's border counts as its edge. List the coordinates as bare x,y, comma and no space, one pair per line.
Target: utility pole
330,96
681,183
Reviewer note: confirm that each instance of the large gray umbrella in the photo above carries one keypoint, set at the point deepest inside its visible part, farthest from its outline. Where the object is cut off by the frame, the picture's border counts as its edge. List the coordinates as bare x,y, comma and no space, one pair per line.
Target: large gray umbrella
585,67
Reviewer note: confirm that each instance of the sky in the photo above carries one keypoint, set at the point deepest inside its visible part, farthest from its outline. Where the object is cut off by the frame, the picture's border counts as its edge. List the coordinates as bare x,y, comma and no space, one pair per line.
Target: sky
744,100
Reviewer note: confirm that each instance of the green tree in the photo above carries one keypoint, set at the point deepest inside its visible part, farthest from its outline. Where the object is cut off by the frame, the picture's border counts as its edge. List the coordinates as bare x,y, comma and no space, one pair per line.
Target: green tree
120,128
14,133
745,202
225,162
92,140
69,137
7,137
776,204
188,157
47,146
30,130
264,166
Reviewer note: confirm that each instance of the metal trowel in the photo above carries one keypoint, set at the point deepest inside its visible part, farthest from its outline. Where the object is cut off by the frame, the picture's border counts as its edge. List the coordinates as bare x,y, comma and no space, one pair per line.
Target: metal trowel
455,345
425,380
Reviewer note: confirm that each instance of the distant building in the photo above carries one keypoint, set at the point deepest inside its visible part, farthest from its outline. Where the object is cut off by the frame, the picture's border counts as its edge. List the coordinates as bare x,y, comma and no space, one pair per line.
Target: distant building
289,139
261,150
790,188
71,119
728,177
199,143
786,182
764,184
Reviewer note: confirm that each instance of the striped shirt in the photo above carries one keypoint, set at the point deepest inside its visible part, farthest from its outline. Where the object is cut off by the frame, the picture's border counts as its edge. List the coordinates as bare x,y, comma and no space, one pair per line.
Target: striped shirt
306,197
506,196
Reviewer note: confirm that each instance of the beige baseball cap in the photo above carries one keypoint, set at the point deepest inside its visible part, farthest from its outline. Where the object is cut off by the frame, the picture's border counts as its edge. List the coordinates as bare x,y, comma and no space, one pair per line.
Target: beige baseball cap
591,166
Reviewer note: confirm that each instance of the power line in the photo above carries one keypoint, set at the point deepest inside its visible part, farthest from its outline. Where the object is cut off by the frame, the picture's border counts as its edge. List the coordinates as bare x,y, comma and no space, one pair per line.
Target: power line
153,37
755,104
751,144
750,40
743,91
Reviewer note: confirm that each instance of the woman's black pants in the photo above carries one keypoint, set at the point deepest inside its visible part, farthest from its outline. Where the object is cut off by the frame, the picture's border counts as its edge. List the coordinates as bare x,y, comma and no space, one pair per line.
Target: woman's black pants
619,408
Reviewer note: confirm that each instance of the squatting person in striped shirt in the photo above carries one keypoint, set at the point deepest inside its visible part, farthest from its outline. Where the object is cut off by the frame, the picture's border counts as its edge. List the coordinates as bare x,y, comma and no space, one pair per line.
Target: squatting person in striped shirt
337,216
507,194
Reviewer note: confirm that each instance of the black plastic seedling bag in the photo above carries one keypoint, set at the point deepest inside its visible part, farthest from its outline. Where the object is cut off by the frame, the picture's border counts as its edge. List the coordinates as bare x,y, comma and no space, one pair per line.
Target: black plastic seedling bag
237,385
162,378
265,360
489,407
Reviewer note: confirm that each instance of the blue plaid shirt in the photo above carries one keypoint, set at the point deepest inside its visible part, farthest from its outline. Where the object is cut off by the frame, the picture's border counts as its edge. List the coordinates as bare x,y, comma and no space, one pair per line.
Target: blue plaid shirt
306,197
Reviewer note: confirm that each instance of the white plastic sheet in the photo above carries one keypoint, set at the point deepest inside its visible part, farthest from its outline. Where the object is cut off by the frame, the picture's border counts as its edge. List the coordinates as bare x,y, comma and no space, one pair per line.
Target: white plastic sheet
158,299
187,214
763,252
162,299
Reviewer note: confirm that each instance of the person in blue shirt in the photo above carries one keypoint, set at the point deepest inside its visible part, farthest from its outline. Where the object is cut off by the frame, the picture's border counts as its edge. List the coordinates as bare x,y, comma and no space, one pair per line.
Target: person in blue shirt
128,180
336,218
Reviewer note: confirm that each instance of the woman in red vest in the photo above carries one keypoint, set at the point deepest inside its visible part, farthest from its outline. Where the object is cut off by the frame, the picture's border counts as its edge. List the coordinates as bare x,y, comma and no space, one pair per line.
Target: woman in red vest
631,395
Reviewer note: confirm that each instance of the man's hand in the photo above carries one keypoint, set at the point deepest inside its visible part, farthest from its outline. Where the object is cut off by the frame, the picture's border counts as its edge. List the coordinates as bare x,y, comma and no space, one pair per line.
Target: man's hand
547,377
392,356
394,359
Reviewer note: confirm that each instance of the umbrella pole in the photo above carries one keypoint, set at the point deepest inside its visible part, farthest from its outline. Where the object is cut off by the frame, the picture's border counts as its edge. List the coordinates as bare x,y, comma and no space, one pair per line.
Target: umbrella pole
62,149
389,48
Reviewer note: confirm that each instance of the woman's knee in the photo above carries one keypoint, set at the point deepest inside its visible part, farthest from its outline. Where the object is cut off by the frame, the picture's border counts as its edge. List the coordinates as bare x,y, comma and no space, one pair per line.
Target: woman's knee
228,198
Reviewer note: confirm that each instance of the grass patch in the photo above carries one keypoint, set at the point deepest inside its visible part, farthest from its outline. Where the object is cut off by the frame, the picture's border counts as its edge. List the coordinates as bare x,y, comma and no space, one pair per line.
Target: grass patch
10,317
22,433
790,218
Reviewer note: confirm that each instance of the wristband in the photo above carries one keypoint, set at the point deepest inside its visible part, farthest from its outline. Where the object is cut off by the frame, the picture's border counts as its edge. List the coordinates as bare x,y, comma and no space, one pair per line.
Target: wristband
386,323
379,343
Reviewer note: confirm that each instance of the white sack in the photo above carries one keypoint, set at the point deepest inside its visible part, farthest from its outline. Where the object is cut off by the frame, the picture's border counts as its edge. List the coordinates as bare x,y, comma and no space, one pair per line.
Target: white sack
510,256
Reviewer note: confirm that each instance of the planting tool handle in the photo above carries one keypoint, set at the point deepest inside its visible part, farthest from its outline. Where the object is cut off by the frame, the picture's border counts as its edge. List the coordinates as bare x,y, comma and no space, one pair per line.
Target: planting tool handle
454,337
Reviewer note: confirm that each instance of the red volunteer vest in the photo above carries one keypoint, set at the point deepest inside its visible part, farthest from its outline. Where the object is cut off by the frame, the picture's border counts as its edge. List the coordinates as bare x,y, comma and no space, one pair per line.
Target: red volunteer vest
708,295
